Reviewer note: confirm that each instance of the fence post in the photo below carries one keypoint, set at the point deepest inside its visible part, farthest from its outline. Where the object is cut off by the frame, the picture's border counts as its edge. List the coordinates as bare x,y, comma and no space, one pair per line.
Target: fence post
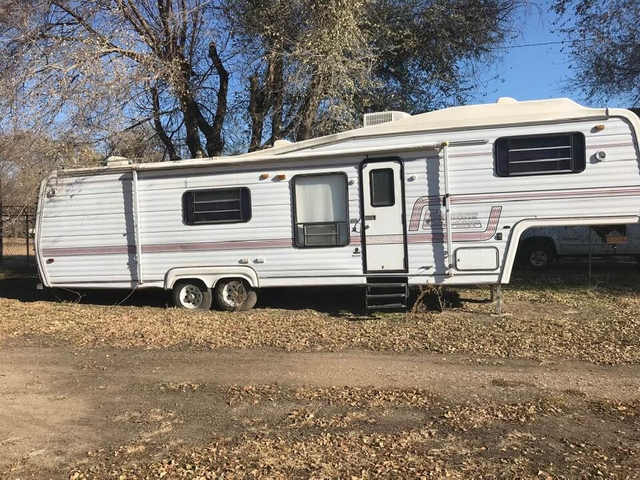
26,234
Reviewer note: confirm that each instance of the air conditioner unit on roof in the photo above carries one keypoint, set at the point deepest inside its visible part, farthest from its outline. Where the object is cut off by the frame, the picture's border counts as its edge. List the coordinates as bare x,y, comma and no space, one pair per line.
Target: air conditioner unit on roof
377,118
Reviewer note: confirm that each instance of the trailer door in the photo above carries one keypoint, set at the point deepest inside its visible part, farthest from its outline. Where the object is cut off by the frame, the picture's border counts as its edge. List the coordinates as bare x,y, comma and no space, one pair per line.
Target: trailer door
383,225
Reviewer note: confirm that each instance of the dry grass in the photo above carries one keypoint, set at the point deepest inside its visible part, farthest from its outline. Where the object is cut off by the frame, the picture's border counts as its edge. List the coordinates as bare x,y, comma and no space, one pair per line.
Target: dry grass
543,320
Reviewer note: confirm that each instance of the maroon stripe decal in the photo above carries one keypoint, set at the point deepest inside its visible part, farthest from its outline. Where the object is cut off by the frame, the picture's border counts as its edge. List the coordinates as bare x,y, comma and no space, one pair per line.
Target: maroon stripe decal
102,250
416,214
596,192
384,239
174,247
440,237
435,202
213,246
418,208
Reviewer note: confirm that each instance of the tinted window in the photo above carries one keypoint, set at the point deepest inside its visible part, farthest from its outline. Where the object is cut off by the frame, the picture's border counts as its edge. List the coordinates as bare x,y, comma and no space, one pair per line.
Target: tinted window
540,154
382,189
222,205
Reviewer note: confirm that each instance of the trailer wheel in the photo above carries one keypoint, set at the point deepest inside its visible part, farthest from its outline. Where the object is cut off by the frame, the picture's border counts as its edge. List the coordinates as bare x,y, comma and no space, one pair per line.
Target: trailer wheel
235,295
192,295
538,255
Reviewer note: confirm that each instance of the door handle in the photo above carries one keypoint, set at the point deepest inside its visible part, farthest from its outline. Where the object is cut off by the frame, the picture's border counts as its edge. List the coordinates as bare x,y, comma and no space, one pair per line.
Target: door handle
369,217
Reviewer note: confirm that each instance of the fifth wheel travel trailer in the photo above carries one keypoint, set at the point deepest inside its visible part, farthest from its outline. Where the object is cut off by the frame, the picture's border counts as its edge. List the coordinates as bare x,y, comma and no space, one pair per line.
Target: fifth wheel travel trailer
437,198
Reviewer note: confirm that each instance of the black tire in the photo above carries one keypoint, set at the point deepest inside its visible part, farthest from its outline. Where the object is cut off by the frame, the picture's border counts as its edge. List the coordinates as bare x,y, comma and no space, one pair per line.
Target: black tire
192,295
538,255
233,295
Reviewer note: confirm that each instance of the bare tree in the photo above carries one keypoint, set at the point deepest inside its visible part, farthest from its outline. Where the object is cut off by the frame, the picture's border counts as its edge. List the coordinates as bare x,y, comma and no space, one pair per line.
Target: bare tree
319,66
310,60
429,51
604,43
197,71
154,60
26,158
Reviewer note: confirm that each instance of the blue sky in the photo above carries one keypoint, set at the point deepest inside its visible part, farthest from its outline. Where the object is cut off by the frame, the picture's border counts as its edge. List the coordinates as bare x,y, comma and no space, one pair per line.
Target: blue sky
536,71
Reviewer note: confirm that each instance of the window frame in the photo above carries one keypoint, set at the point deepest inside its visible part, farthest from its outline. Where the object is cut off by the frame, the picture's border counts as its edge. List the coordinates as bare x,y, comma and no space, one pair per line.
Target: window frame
191,193
372,185
575,158
294,212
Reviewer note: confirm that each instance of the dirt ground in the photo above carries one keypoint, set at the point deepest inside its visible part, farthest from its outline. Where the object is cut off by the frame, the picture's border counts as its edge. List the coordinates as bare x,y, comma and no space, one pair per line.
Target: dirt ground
93,389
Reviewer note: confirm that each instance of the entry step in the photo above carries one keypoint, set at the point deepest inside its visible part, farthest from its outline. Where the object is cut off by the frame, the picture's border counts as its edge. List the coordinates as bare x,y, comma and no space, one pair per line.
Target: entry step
387,293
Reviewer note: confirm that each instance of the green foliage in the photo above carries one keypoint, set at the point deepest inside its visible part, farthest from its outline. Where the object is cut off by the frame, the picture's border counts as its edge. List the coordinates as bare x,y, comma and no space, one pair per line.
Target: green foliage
428,50
605,47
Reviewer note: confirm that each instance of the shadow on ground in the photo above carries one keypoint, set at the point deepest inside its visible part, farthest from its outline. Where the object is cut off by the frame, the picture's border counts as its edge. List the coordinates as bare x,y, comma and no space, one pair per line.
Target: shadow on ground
612,275
322,299
332,300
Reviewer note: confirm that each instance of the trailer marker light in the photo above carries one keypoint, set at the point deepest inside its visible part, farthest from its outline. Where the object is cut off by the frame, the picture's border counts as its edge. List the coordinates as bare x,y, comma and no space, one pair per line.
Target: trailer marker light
264,176
281,176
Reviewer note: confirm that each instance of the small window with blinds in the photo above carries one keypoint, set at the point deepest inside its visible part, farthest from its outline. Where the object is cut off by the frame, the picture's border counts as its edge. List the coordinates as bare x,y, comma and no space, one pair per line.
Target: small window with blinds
540,154
320,210
220,205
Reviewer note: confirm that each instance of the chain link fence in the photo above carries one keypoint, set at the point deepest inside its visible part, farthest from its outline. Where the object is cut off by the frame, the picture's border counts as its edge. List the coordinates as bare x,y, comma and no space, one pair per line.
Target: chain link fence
17,226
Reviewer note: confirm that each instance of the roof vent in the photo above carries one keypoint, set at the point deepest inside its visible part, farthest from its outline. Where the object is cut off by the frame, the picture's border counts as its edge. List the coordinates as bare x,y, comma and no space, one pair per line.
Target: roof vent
377,118
281,143
507,100
116,162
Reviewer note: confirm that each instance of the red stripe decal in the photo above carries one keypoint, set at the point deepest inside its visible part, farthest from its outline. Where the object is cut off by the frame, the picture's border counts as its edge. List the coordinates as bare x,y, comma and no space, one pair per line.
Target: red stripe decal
440,237
434,201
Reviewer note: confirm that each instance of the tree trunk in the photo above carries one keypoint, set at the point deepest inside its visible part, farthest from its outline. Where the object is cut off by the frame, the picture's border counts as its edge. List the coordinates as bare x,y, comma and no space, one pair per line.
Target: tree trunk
158,127
256,112
215,143
307,111
277,95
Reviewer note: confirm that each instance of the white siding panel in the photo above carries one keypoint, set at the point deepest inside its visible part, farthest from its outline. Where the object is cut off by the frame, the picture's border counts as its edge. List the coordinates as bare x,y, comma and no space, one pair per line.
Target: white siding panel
95,211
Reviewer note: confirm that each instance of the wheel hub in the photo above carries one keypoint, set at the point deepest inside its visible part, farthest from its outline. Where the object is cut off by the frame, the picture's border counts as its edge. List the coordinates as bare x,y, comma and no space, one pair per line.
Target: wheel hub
538,258
191,297
234,293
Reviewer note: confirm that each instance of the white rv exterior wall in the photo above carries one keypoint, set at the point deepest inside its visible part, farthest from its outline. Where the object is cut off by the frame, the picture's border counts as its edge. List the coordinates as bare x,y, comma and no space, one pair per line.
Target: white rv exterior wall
87,227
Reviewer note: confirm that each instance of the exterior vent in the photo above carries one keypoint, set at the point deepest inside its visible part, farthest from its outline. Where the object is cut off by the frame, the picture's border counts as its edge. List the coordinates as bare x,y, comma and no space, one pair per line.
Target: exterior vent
116,162
377,118
508,100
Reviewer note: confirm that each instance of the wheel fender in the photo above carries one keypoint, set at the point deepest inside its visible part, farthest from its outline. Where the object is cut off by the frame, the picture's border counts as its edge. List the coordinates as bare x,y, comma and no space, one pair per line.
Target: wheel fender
211,275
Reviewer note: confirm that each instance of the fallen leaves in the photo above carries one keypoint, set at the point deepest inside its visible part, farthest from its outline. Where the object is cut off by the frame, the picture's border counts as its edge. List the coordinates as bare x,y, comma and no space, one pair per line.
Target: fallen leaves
606,329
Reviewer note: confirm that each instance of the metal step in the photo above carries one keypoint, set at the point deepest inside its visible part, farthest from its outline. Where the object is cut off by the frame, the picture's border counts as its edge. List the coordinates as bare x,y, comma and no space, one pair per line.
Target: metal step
386,285
387,306
386,293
